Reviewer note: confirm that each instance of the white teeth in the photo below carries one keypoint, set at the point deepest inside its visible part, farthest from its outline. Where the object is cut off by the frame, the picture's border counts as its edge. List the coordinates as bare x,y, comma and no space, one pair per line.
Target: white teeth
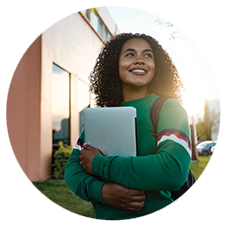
138,70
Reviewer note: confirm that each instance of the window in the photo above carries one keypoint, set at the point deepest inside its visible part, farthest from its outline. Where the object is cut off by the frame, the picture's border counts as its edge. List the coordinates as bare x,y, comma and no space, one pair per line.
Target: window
100,28
86,13
60,106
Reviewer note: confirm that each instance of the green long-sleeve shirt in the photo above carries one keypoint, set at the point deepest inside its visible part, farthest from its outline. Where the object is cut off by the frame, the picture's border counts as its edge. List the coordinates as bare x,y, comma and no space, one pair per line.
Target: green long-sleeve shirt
161,166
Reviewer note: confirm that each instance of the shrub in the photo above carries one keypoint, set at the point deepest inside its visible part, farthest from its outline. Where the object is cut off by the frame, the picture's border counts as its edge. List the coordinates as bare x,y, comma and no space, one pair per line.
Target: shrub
61,157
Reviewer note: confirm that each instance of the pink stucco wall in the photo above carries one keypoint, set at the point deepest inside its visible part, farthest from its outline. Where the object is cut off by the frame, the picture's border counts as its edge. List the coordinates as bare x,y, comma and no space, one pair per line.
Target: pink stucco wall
23,110
74,46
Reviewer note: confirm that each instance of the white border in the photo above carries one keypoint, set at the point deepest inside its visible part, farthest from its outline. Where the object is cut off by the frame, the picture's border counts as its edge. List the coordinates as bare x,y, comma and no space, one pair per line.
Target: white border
49,23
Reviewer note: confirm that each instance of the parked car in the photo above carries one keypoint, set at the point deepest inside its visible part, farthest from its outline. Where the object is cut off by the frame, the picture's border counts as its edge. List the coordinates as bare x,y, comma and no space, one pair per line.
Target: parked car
204,148
213,149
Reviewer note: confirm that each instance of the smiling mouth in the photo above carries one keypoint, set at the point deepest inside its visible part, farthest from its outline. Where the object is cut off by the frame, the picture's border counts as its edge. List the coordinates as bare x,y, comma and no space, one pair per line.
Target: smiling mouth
138,71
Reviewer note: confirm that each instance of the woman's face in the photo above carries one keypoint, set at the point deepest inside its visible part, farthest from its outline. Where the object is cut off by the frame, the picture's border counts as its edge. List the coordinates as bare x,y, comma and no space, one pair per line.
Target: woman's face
136,63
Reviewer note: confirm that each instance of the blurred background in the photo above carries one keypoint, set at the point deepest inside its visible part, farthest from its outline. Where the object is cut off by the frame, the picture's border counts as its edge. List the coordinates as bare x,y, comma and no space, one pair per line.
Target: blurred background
49,89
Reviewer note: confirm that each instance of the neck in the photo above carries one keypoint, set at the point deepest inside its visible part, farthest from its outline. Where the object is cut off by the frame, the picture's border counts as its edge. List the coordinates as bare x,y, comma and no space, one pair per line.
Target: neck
130,94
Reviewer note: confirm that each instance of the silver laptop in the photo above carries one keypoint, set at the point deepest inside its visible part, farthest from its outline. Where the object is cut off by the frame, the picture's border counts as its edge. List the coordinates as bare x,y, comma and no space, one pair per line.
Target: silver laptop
112,130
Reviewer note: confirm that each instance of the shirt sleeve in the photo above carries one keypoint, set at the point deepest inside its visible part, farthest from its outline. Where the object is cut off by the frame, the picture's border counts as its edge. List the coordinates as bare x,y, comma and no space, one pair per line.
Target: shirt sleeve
82,184
167,169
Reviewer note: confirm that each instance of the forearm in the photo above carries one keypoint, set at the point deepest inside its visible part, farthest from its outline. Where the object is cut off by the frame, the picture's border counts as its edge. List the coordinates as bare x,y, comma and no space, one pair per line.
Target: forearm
82,184
161,171
121,197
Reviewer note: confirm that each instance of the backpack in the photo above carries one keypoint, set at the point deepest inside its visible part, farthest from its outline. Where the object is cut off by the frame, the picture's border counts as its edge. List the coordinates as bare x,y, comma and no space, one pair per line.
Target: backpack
190,210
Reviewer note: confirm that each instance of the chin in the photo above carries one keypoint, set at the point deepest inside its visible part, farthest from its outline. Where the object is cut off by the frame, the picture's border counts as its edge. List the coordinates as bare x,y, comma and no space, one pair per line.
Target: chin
134,86
140,83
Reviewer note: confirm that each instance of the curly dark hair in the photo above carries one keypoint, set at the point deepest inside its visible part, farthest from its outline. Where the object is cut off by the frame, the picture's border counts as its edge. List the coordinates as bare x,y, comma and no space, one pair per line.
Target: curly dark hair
105,82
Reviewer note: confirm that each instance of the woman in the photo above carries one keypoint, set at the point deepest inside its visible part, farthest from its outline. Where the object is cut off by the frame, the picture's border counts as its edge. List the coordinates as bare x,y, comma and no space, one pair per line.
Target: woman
133,70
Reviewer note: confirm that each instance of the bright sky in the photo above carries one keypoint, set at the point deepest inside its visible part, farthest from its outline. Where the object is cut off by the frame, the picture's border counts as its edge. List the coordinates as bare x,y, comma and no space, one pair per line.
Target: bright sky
192,66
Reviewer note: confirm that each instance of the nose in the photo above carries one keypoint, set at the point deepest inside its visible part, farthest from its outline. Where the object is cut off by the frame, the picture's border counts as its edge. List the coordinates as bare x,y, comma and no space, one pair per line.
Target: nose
139,60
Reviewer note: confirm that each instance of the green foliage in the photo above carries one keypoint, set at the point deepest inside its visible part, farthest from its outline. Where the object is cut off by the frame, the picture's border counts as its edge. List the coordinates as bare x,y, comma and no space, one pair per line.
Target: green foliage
61,157
201,131
208,125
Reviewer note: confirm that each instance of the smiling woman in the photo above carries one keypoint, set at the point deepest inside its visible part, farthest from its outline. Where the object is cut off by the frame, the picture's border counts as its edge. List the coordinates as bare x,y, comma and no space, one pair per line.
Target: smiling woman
134,70
105,82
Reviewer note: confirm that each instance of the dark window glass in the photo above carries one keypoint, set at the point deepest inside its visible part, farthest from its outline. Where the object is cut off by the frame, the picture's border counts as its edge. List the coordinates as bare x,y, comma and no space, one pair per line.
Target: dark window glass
60,106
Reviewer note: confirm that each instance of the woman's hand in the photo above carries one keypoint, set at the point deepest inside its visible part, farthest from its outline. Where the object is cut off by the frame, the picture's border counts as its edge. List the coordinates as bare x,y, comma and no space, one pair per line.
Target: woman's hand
113,194
86,156
121,197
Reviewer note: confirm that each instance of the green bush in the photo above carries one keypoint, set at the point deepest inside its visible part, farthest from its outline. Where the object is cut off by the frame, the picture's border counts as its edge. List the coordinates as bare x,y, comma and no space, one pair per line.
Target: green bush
61,157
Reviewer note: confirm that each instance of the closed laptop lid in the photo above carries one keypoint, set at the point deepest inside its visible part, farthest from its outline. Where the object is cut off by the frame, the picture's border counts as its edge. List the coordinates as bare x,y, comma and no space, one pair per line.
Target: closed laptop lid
112,130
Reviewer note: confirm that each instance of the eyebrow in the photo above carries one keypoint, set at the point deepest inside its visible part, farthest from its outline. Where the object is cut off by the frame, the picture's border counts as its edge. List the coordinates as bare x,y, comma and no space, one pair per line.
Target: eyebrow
146,50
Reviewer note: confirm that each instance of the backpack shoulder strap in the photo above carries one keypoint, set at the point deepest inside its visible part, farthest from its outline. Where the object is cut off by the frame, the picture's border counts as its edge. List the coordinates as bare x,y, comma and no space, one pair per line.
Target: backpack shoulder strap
190,210
155,110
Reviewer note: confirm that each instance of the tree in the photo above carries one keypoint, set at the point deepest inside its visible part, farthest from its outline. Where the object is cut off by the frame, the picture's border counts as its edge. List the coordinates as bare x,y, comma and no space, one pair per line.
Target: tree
207,126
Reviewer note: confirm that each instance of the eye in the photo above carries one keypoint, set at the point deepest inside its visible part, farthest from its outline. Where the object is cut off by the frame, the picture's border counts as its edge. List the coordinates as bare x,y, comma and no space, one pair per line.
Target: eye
129,55
148,55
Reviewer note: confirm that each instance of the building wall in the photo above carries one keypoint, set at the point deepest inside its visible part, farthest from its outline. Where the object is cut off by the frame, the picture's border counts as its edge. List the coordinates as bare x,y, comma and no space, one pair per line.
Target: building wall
109,22
23,110
71,44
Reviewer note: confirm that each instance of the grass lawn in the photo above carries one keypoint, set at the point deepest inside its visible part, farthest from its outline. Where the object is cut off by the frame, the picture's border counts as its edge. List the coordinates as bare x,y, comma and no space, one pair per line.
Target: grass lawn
198,167
28,208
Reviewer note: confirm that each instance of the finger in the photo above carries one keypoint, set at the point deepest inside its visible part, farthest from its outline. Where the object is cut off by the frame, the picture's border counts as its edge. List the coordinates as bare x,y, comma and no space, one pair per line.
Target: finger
81,155
83,166
134,192
86,146
135,206
138,198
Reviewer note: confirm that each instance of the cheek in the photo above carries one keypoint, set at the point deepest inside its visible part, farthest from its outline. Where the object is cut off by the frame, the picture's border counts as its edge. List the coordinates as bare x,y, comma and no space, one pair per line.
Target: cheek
152,67
122,68
120,71
152,71
123,65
